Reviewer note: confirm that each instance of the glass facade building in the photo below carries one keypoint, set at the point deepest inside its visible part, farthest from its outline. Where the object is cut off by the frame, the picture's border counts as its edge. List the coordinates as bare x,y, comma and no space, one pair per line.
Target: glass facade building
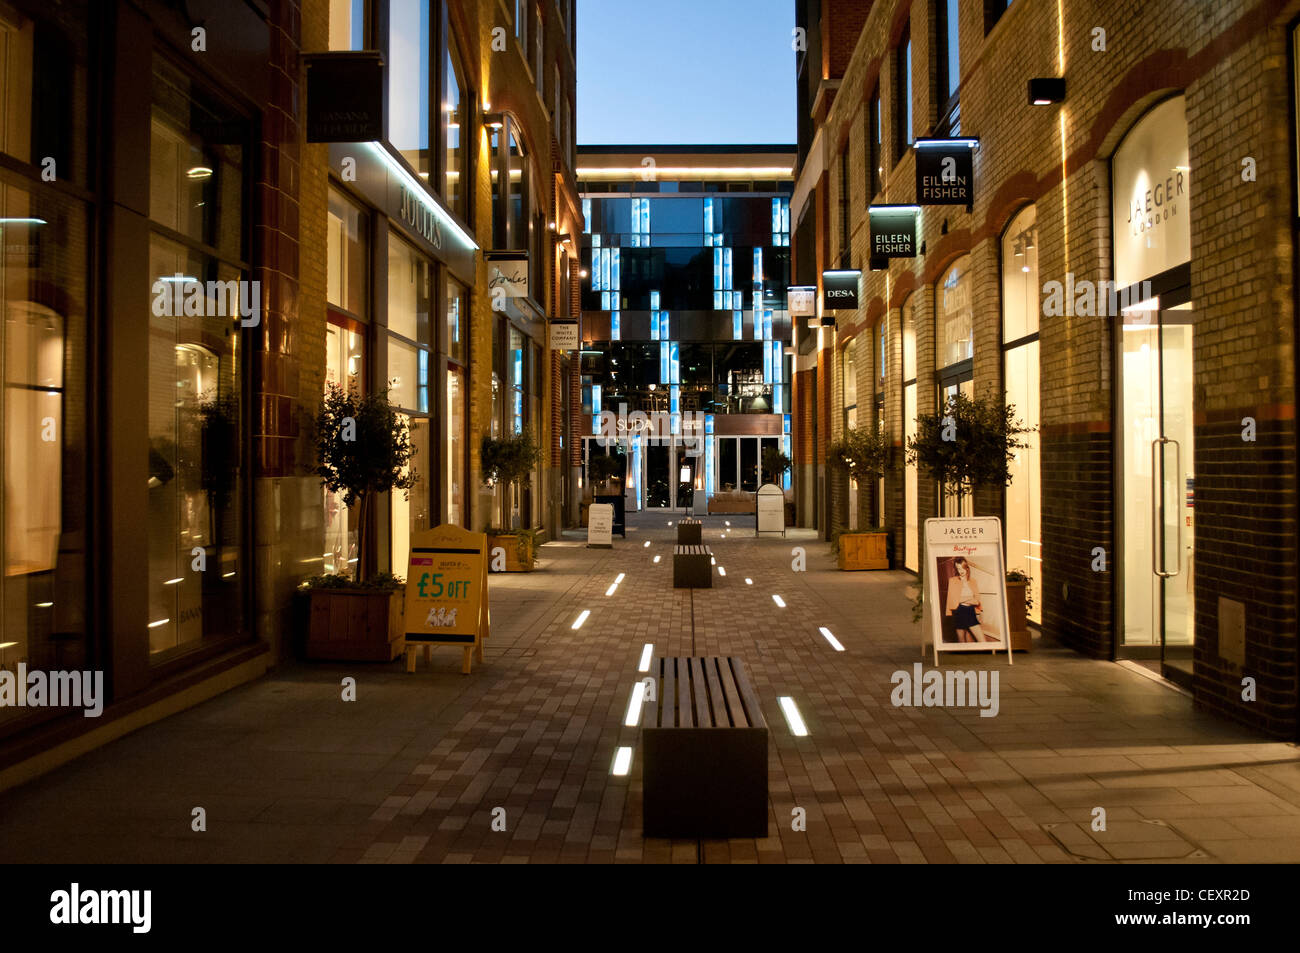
686,263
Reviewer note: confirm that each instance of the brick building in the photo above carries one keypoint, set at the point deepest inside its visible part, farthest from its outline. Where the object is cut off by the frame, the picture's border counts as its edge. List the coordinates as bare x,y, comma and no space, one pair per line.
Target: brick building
159,507
1156,504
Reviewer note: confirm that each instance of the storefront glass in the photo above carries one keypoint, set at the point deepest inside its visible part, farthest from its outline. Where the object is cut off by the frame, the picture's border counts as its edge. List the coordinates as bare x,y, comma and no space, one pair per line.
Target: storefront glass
195,518
409,328
454,327
911,517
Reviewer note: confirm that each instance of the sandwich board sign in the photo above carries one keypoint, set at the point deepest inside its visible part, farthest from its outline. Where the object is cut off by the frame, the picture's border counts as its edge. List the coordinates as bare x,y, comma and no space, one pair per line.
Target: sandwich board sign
600,526
769,509
965,586
447,592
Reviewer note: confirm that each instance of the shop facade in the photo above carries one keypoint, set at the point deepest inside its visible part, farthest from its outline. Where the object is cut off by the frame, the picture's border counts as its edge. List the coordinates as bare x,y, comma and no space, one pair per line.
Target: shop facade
686,329
1123,277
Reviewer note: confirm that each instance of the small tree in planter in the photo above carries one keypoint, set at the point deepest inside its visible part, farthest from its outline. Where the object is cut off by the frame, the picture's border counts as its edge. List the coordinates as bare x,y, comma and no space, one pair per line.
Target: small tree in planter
604,469
363,448
510,461
863,454
1020,599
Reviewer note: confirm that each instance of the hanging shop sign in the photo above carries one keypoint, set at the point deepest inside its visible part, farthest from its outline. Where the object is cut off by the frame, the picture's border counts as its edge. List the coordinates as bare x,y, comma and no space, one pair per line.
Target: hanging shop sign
769,508
802,300
507,270
447,592
893,230
345,96
840,289
966,585
945,171
565,336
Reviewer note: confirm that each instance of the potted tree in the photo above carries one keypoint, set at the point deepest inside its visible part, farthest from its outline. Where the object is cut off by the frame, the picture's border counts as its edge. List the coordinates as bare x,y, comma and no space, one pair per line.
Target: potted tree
510,461
776,465
363,448
970,443
1020,599
863,454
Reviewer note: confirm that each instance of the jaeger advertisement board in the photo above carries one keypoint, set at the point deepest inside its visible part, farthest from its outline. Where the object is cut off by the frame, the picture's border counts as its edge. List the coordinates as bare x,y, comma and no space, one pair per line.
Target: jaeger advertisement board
966,585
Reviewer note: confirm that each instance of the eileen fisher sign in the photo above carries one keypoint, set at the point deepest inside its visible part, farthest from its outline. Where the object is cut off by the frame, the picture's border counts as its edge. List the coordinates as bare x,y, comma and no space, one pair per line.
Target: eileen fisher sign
893,230
944,171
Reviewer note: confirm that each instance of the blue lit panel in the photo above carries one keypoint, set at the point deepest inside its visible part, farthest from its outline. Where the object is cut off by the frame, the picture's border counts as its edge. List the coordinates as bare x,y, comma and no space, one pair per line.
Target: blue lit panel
726,268
717,300
615,329
595,399
767,363
664,333
737,325
778,399
717,269
708,423
785,427
423,372
710,478
785,448
586,215
663,362
604,301
674,400
636,468
674,368
654,325
613,268
708,216
758,268
777,361
767,325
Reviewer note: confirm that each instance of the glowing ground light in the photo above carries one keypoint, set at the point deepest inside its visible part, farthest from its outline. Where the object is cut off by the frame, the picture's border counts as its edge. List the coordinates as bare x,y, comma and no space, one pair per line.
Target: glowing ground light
792,716
610,590
748,581
154,625
647,543
635,703
577,623
646,654
778,600
621,577
622,762
722,571
713,560
835,643
728,522
657,558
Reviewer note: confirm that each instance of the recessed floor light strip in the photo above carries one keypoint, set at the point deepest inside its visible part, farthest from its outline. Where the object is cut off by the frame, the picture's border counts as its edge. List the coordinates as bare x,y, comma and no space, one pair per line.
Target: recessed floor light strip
721,571
577,623
835,643
792,716
622,762
748,581
634,705
657,558
610,590
778,600
647,653
621,577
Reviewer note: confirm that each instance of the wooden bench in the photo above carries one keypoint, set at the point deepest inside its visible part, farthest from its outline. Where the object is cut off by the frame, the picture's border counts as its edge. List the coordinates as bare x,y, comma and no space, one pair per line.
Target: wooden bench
705,750
688,532
692,567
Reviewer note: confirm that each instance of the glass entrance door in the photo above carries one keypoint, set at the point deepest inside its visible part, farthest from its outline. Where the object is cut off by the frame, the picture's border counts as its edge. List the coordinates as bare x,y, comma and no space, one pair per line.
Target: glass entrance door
1157,488
659,491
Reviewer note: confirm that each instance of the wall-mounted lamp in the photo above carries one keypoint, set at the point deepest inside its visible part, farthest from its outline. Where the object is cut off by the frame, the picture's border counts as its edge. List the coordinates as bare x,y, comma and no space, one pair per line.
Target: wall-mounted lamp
493,120
1046,90
566,238
551,226
583,273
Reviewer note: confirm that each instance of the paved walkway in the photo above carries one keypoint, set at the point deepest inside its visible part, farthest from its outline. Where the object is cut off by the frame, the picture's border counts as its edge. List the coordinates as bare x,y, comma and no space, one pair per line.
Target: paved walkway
414,768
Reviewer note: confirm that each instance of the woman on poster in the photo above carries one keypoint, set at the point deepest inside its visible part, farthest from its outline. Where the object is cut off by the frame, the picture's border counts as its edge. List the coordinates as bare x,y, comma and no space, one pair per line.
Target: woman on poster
964,603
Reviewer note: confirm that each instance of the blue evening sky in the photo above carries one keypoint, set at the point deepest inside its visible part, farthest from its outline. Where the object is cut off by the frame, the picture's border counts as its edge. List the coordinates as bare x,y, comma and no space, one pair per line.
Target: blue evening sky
685,71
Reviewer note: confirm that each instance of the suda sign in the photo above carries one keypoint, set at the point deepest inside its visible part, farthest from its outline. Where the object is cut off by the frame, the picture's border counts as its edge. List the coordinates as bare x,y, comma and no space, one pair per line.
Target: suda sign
945,171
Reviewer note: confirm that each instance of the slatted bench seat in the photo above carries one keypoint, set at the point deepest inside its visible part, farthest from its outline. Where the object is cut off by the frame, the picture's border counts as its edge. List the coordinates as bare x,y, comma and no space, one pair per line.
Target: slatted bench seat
705,750
688,532
692,567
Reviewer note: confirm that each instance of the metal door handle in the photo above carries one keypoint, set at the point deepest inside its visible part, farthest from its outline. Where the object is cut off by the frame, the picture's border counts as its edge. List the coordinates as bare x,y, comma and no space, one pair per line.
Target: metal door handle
1178,469
1157,511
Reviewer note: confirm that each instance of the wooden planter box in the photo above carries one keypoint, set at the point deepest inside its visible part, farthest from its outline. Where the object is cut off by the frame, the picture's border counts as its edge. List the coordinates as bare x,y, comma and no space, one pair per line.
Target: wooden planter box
512,545
356,625
864,551
1021,638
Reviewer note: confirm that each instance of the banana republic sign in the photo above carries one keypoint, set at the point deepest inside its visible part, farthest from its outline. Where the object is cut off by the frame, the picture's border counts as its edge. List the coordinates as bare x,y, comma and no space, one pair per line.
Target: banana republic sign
945,171
345,96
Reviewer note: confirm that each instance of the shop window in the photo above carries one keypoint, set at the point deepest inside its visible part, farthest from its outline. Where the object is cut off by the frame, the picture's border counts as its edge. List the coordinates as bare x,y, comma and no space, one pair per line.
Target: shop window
911,512
409,32
903,95
845,248
456,109
195,413
348,24
955,317
43,87
456,407
947,47
850,377
1021,374
409,329
43,499
509,206
875,147
993,10
346,252
345,367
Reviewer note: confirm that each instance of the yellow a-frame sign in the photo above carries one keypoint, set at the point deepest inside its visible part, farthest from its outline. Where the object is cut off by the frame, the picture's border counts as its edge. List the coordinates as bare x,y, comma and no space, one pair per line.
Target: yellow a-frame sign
447,593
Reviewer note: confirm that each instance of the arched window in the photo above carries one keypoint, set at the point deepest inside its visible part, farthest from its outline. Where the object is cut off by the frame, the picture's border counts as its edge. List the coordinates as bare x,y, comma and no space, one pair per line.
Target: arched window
1020,310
